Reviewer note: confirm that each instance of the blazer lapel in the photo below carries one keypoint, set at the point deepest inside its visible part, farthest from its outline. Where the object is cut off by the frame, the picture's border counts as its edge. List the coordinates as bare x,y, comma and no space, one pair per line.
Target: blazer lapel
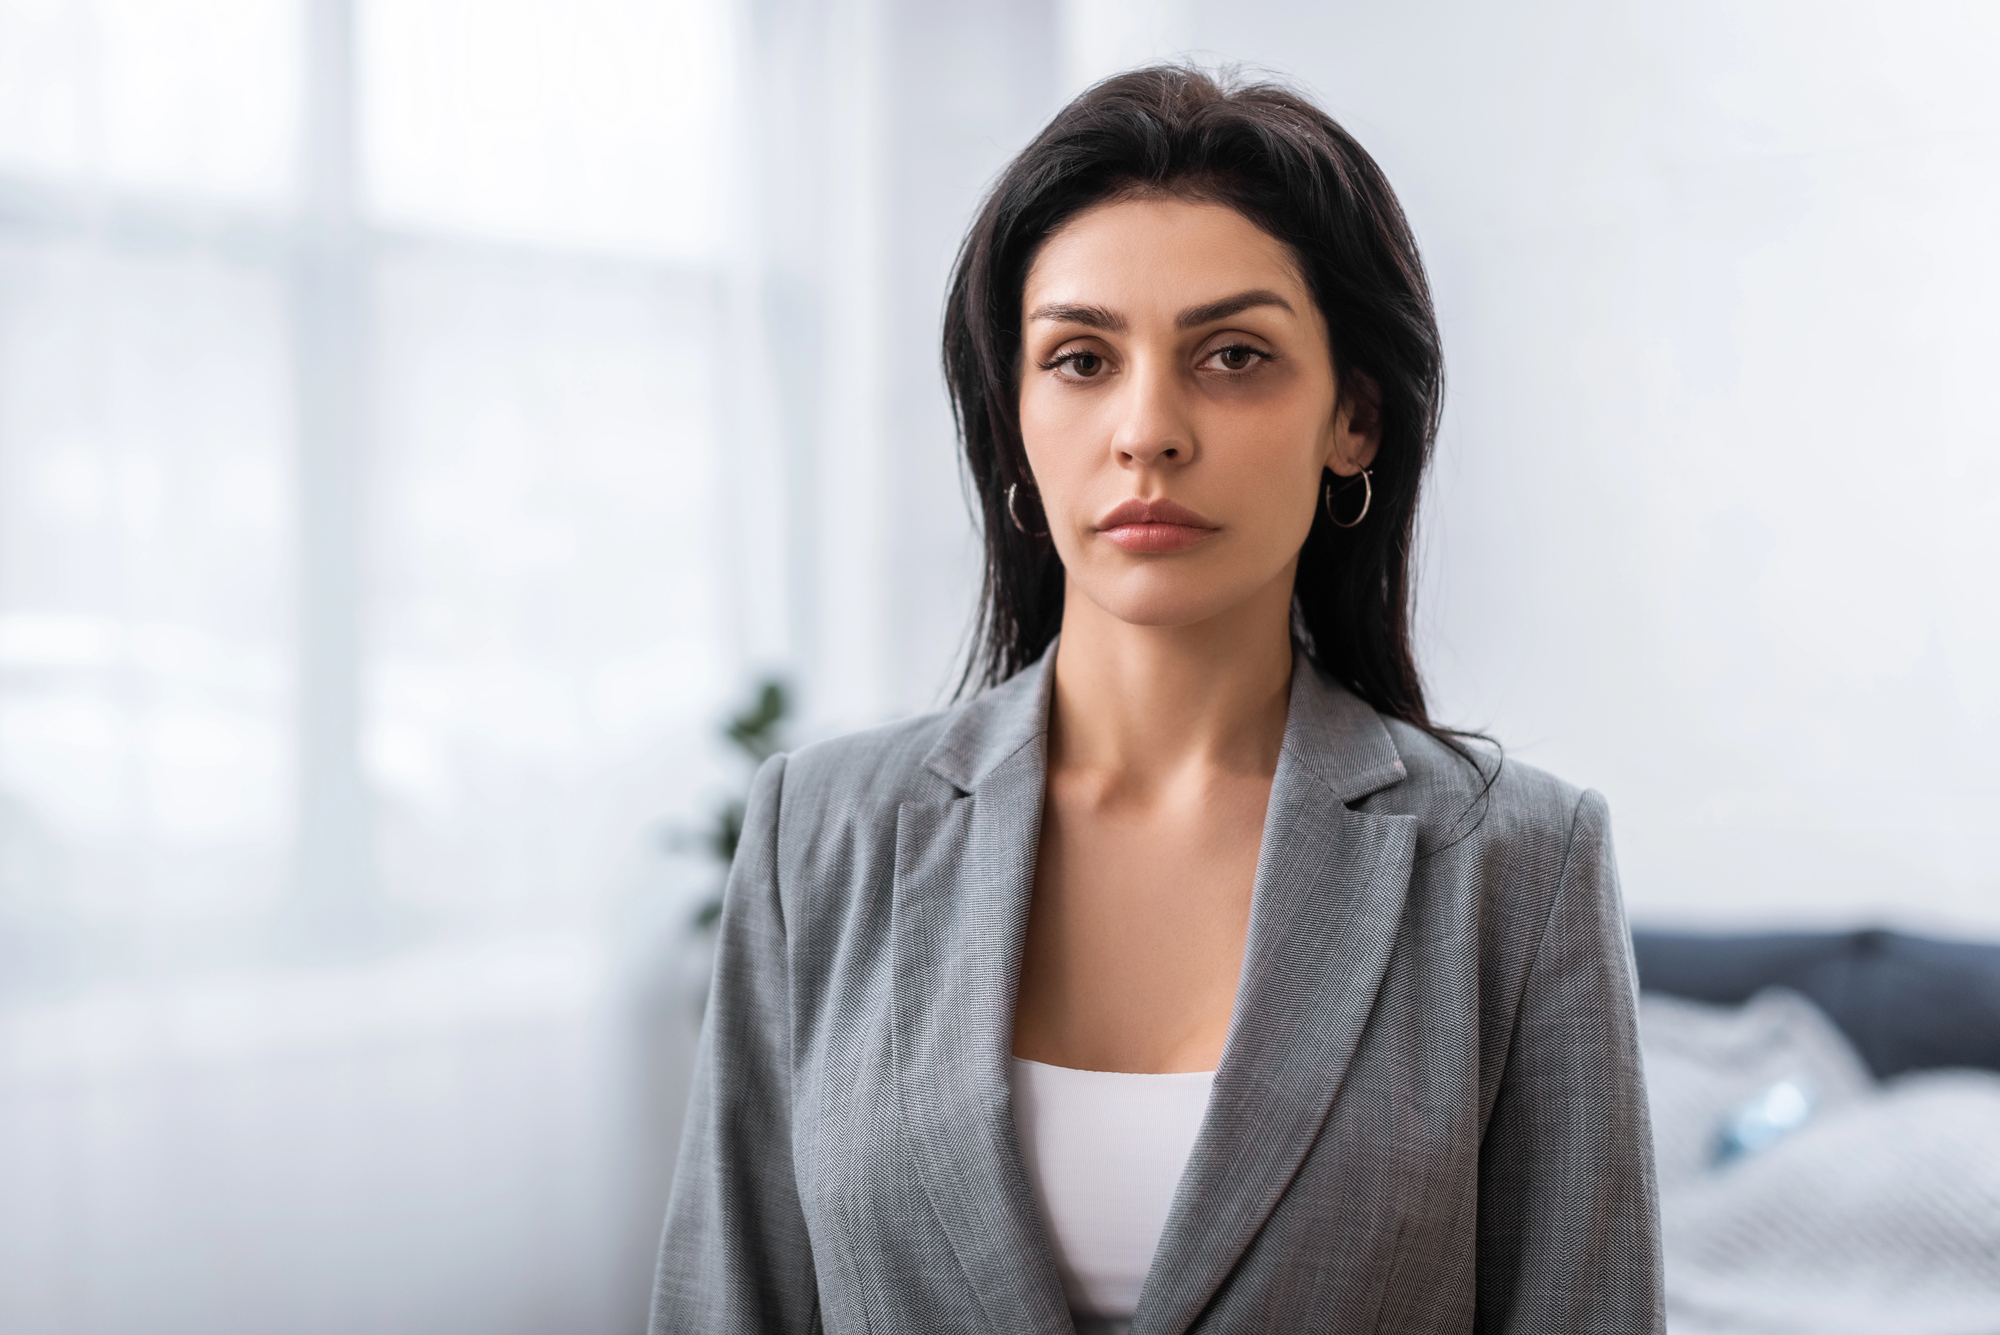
1325,911
964,875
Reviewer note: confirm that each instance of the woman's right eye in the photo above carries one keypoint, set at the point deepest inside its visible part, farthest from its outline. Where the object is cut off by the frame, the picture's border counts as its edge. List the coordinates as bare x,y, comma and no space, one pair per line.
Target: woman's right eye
1082,364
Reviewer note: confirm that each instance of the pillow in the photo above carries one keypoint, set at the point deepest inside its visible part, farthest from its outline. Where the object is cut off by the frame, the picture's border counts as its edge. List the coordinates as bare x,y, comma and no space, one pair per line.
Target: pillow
1907,1003
1712,1069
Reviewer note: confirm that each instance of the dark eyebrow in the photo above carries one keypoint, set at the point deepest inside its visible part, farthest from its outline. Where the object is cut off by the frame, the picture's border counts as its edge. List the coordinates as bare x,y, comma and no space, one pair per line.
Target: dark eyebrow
1228,306
1093,317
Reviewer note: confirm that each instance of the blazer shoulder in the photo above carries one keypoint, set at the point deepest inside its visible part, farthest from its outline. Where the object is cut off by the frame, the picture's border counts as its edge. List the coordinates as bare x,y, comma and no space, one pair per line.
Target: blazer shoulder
932,757
1480,793
877,767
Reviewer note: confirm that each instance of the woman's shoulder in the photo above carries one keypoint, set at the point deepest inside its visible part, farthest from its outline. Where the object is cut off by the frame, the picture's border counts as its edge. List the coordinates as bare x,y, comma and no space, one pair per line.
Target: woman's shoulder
1475,789
879,766
931,757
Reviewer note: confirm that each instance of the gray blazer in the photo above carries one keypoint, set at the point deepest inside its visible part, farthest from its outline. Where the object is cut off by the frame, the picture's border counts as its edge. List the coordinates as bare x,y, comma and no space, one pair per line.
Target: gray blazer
1428,1114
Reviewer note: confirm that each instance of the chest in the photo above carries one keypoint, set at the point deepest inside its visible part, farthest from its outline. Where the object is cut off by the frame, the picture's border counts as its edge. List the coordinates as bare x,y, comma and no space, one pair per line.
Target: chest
1136,926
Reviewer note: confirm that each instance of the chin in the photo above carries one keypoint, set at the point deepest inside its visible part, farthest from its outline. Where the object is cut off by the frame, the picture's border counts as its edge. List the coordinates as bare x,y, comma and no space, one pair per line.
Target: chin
1166,598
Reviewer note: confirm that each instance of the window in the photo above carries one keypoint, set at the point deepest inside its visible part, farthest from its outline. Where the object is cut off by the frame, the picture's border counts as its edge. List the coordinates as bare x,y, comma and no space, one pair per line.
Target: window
357,464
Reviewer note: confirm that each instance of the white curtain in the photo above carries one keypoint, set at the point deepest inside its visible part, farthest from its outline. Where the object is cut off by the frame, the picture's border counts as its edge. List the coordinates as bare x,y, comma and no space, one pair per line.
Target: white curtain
364,629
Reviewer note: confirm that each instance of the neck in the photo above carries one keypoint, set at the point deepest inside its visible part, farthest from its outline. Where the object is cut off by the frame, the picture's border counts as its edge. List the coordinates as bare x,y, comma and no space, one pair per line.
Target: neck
1144,703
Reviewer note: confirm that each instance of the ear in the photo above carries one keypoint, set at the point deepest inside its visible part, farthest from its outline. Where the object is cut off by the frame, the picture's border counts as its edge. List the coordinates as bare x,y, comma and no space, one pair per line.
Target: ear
1357,424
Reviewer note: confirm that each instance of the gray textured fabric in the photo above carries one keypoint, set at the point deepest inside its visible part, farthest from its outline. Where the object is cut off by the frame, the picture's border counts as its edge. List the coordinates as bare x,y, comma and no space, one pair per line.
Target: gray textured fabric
1428,1116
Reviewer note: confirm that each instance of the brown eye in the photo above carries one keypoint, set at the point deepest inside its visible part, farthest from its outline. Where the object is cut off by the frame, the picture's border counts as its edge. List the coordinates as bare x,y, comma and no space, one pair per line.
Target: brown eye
1086,364
1236,359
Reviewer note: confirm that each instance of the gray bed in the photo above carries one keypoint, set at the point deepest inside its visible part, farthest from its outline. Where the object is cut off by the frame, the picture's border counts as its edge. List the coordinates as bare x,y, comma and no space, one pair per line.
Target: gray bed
1827,1117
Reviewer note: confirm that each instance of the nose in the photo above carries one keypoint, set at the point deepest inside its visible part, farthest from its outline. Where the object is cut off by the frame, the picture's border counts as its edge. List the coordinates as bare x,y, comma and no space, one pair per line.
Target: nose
1153,428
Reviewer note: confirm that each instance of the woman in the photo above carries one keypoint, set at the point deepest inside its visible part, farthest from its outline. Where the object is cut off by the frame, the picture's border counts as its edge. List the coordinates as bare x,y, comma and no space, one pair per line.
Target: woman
1187,978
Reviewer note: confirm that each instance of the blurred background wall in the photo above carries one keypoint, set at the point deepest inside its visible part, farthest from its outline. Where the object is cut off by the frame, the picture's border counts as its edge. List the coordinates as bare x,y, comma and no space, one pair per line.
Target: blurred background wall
421,421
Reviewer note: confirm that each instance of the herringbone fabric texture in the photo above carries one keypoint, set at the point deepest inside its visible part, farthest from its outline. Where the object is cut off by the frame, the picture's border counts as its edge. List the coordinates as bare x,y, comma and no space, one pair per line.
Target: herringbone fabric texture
1428,1116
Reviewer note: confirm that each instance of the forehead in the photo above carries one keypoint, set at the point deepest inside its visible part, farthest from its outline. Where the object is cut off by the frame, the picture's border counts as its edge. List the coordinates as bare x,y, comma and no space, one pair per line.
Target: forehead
1154,254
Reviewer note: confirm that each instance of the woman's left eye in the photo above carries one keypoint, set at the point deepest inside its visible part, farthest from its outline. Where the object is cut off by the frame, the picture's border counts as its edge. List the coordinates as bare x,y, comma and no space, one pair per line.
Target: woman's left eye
1236,357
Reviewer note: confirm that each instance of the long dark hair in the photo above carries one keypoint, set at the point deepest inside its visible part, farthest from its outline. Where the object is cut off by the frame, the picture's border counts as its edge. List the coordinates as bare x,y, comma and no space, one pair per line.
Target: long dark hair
1271,155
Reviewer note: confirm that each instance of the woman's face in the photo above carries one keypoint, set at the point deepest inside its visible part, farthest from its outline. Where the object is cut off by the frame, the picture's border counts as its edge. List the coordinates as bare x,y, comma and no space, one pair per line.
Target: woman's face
1178,403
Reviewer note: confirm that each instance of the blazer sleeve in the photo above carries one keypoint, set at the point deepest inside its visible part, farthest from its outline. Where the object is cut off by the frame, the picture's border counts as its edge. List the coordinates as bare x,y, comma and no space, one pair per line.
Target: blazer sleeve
1569,1237
735,1255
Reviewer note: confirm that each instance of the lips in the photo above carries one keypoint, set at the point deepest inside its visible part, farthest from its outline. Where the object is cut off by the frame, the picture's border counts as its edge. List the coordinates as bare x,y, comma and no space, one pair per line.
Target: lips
1154,526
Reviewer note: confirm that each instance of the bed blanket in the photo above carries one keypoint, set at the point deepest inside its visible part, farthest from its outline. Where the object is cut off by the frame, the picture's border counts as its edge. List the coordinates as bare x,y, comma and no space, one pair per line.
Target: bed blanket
1879,1216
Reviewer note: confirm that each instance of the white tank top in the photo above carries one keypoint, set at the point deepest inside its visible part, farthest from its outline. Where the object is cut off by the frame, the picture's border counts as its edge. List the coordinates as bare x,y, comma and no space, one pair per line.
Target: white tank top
1105,1151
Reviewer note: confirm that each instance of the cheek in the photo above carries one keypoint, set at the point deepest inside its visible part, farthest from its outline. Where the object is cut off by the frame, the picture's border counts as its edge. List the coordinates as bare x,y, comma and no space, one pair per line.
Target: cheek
1054,434
1284,504
1274,456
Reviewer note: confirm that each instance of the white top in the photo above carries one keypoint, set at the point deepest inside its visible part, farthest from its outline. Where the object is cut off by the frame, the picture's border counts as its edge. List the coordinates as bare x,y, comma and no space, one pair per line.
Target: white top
1105,1151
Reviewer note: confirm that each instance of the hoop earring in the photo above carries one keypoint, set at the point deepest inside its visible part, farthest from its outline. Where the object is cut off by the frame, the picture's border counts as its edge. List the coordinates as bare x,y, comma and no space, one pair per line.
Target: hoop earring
1367,499
1015,515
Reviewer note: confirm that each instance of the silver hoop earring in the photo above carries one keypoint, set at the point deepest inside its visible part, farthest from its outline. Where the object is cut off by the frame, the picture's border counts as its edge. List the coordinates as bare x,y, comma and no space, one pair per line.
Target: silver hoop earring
1015,515
1367,499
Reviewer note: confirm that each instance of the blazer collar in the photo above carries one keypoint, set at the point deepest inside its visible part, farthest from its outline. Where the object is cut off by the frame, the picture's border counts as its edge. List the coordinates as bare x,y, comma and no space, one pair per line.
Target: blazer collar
1336,738
965,870
1326,904
995,725
1325,913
